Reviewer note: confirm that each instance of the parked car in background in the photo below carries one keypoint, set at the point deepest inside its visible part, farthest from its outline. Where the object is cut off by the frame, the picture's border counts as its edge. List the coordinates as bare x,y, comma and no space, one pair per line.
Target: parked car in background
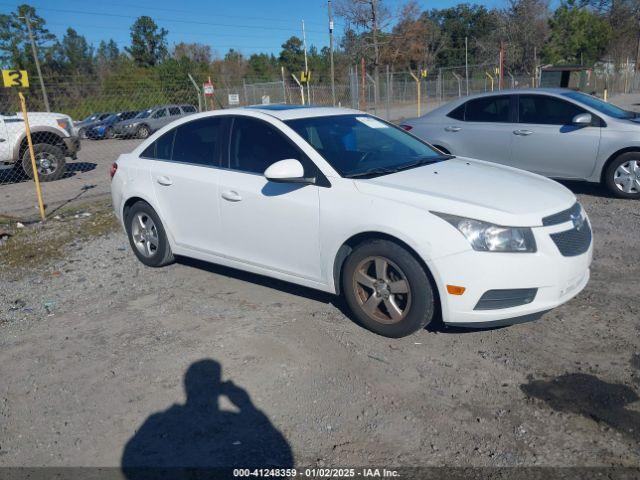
558,133
148,121
81,127
340,201
53,140
104,129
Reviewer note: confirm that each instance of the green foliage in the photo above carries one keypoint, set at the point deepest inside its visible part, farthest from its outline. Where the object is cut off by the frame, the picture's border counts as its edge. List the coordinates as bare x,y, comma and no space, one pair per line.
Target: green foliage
578,35
148,42
15,48
292,55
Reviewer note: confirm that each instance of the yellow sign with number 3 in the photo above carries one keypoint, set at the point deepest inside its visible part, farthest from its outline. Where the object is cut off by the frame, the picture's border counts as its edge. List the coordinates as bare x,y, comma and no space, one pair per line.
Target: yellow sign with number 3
15,78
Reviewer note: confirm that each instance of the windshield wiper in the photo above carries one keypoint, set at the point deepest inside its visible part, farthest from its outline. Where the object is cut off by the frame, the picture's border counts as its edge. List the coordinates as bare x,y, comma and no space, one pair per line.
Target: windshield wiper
406,166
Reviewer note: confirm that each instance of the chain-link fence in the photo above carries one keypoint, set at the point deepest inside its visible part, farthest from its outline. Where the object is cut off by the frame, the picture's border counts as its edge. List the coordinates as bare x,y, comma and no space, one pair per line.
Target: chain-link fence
95,120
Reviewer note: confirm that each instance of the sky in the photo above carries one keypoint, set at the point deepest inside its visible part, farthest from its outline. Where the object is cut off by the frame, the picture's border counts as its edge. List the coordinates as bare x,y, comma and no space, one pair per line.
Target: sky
250,26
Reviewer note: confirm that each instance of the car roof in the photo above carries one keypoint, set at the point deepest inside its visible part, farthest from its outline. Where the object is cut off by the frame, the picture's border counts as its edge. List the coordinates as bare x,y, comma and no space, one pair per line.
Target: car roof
291,112
521,91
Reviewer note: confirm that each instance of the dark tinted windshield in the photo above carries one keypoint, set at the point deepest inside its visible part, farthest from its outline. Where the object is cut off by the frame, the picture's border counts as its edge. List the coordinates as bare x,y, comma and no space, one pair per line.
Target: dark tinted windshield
600,105
358,144
144,114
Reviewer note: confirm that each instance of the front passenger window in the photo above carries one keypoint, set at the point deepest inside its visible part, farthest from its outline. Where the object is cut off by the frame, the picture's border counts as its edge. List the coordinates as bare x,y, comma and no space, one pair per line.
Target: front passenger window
545,110
255,145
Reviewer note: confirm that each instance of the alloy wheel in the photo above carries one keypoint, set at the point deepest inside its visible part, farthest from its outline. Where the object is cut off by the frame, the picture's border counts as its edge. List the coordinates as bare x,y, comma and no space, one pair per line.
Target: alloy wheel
47,163
627,177
145,234
382,290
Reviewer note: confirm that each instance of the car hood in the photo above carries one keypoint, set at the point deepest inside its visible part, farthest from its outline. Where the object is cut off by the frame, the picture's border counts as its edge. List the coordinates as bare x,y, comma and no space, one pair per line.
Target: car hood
475,189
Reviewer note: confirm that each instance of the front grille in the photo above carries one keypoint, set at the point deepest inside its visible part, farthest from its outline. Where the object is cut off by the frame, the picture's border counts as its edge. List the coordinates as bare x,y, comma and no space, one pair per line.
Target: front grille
573,242
561,217
495,299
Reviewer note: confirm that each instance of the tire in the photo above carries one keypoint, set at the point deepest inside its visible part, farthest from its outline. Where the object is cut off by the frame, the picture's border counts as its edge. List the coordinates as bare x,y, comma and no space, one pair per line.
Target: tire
622,176
147,236
413,309
108,133
143,132
50,161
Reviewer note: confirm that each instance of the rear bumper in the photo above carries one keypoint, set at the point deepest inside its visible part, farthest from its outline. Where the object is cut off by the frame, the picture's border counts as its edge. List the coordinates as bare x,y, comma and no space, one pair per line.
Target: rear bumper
557,279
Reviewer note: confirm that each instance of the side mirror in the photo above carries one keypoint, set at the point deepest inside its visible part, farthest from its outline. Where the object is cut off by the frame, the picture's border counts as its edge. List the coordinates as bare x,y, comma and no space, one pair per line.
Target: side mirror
582,119
287,171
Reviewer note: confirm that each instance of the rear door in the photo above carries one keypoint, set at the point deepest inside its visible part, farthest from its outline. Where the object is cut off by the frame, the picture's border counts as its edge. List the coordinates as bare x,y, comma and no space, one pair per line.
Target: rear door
486,131
545,140
158,119
184,170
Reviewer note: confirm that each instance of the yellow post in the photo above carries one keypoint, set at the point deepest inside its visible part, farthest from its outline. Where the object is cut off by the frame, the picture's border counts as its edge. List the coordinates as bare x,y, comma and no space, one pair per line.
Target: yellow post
34,167
605,94
491,78
417,80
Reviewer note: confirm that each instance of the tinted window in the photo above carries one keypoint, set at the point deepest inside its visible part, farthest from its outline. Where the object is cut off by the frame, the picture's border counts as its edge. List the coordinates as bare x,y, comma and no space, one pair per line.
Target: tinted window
488,109
160,113
188,108
600,105
255,145
197,141
457,113
542,109
161,148
174,111
128,115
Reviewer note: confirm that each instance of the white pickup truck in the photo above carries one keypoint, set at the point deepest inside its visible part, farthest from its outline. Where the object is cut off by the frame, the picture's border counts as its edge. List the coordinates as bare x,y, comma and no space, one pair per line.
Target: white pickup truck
53,141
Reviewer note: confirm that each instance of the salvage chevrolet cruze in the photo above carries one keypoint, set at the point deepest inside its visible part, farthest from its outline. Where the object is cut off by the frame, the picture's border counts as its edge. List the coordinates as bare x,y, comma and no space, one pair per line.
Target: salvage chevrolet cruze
341,201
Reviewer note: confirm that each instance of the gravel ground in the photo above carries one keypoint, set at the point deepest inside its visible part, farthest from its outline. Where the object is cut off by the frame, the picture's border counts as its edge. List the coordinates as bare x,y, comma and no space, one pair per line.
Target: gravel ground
96,351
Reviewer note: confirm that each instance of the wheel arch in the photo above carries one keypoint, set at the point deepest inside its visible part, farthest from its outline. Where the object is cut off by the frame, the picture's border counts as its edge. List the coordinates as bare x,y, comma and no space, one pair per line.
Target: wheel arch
49,136
348,245
613,156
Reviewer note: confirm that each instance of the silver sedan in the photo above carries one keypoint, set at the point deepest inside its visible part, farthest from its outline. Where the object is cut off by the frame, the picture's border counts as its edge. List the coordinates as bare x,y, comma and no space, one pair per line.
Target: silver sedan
558,133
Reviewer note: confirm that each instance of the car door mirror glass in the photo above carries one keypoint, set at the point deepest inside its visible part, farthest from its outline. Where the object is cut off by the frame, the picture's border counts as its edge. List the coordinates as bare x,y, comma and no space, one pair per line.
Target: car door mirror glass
287,171
582,119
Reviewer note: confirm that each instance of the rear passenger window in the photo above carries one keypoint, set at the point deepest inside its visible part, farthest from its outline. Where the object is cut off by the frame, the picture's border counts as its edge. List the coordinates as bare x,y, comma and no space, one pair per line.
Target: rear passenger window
188,109
195,142
457,113
174,111
198,141
160,113
488,109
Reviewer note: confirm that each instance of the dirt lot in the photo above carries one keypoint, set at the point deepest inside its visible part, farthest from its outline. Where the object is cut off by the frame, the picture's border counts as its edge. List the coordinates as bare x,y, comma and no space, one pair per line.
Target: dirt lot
96,351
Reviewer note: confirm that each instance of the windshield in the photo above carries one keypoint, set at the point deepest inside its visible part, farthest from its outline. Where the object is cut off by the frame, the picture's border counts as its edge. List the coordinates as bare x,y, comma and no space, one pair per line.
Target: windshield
361,145
143,114
111,118
600,105
90,118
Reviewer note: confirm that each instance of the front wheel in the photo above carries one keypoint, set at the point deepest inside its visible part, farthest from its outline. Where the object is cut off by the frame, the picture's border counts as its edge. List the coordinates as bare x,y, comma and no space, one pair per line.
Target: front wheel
143,132
49,162
622,177
387,289
147,236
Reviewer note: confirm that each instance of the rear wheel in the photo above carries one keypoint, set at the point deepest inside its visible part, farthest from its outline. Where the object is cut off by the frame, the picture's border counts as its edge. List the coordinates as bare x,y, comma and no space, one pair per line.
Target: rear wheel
387,289
147,236
49,162
622,176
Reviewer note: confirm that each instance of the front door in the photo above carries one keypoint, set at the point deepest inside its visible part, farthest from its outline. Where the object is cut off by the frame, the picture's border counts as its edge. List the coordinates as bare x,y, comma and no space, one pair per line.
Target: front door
267,224
545,140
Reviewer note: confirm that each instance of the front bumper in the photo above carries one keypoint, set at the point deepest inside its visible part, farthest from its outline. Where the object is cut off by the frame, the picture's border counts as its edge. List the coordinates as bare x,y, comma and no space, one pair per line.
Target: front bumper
72,146
556,277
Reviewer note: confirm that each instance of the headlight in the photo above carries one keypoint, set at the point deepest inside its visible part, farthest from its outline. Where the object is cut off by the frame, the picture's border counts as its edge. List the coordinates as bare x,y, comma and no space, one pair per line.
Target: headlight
64,124
486,237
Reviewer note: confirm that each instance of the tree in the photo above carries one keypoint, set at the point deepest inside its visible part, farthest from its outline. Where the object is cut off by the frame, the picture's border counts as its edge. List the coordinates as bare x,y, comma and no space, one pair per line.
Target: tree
15,47
263,67
525,28
76,53
108,53
196,52
148,42
292,55
578,35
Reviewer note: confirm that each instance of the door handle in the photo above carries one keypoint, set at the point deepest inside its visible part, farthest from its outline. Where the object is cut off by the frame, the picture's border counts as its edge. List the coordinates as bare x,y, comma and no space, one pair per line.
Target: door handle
231,195
452,129
166,181
522,133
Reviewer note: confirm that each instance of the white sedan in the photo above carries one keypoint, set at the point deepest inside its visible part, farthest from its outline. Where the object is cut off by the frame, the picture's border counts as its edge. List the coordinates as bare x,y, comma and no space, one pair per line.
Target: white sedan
341,201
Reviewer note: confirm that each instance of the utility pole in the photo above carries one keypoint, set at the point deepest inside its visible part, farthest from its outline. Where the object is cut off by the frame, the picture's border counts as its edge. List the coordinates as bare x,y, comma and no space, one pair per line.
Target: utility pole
376,49
501,66
333,81
35,58
466,62
535,67
306,64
